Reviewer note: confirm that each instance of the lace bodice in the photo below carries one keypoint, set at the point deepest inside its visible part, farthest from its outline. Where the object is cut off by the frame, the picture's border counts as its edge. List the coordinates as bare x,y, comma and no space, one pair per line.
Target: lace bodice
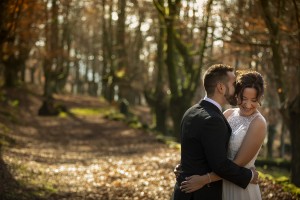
239,125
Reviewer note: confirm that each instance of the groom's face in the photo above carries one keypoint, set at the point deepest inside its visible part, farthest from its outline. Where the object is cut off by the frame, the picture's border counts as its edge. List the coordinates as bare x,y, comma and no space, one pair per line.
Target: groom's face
230,89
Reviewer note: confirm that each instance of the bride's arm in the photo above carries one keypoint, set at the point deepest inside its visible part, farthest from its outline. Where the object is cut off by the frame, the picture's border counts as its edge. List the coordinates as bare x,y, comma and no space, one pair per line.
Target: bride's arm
252,142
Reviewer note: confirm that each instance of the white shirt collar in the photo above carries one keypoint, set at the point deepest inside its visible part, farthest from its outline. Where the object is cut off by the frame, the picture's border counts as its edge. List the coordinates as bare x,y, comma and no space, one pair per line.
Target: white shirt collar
213,102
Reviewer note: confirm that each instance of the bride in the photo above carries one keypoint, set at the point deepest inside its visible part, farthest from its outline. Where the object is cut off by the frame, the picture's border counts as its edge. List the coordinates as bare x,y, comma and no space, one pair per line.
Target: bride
248,133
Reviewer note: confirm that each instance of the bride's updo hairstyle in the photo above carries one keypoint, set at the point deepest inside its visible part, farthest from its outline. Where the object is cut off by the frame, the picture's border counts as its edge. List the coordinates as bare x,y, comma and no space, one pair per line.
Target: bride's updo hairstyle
249,79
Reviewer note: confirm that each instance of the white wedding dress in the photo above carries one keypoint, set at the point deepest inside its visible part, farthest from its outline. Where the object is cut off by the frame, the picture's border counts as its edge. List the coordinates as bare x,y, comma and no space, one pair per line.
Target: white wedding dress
239,125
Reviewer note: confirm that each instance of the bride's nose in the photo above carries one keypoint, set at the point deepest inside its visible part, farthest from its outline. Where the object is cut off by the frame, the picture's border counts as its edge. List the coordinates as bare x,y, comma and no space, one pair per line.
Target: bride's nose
248,104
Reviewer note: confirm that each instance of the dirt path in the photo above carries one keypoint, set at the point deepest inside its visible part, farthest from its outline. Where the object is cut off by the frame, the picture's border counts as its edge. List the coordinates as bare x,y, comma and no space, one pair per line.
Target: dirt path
89,157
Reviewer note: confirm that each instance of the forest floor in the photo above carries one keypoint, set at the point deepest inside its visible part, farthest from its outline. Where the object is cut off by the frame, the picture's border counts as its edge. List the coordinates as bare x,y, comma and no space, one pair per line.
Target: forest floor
86,156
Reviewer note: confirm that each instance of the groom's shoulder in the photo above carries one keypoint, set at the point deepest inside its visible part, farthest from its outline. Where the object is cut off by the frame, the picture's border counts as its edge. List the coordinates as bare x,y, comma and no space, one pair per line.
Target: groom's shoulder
208,112
202,110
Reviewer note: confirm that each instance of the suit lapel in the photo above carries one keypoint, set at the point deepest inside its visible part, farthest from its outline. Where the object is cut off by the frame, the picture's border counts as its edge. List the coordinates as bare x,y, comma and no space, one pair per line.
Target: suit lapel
228,126
215,108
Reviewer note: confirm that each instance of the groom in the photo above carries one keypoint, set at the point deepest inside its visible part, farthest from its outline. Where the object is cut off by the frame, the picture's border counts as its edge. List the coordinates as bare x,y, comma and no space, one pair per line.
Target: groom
204,138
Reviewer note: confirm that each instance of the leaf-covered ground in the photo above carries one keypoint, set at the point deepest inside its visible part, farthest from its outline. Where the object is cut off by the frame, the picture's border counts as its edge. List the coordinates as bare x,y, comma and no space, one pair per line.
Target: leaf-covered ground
85,156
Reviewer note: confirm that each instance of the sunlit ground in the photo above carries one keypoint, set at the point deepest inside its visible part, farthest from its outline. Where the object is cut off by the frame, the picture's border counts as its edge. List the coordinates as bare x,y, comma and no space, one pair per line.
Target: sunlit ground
89,157
85,156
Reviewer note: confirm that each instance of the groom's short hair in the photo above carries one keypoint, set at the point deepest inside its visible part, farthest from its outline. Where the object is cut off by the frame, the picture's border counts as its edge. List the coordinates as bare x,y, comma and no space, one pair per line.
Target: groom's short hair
214,74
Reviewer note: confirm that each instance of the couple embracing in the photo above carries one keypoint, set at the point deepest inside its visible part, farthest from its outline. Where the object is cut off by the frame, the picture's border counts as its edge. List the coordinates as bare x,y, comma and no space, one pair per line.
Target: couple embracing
218,150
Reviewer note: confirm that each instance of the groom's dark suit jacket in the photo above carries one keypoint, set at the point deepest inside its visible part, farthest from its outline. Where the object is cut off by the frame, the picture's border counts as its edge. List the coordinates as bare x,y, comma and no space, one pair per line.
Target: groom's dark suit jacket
204,142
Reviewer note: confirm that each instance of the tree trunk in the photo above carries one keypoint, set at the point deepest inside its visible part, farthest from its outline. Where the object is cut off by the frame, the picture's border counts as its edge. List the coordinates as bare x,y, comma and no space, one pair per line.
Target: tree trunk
105,54
161,100
108,70
161,114
11,70
52,48
173,83
65,47
282,141
121,48
294,111
182,89
158,99
289,109
294,127
271,134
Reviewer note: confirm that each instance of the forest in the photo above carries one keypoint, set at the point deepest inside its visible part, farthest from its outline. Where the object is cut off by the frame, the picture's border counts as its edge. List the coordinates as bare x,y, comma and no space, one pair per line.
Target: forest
145,59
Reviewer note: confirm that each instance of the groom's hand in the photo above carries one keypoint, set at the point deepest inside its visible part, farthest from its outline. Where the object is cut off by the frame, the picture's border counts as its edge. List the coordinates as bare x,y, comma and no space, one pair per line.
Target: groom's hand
177,170
254,179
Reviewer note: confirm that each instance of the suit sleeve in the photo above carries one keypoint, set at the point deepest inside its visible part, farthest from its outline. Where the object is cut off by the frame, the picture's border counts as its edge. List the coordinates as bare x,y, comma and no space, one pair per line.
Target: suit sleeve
214,142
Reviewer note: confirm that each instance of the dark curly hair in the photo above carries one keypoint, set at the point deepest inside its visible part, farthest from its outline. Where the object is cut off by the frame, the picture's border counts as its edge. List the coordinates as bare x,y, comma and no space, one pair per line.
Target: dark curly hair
249,79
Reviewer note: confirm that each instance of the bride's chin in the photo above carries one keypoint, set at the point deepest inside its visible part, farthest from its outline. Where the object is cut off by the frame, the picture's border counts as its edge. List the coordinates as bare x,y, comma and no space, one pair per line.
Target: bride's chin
246,112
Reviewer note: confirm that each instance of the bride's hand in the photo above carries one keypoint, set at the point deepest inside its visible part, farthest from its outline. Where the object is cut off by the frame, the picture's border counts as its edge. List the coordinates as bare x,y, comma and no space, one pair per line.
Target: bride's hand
193,183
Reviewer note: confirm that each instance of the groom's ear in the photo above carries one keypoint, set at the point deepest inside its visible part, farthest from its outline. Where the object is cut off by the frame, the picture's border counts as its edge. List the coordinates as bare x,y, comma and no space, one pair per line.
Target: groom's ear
221,88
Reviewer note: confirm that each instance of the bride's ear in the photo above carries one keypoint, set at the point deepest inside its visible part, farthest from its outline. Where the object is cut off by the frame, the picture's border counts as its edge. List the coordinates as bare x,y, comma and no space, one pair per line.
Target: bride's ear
237,98
260,100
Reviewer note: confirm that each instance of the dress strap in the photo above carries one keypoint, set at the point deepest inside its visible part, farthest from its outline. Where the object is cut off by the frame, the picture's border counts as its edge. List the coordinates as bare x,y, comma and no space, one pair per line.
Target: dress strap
253,116
234,113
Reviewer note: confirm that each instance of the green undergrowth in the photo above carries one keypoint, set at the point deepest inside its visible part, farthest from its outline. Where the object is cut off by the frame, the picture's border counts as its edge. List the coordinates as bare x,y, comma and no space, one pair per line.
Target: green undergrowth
30,185
282,180
277,170
26,186
130,119
134,122
169,140
273,163
5,139
109,113
265,166
86,112
9,110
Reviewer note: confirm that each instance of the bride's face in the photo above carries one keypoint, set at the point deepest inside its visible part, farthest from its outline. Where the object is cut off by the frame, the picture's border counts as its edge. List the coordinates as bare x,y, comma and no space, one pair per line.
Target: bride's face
248,102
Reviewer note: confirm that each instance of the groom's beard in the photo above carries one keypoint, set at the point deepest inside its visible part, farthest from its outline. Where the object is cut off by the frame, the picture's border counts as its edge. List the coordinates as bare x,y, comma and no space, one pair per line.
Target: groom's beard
230,98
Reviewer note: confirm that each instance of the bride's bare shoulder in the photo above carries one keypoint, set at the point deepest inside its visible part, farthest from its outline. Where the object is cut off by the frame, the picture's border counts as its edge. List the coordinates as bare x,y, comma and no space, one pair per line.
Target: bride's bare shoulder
228,112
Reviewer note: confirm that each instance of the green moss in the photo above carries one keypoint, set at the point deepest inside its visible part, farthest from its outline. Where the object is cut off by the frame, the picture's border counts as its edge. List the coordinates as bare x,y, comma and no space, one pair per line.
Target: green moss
135,125
283,181
32,184
63,115
5,140
275,172
89,111
170,141
291,188
270,163
14,103
133,122
113,115
85,111
173,144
